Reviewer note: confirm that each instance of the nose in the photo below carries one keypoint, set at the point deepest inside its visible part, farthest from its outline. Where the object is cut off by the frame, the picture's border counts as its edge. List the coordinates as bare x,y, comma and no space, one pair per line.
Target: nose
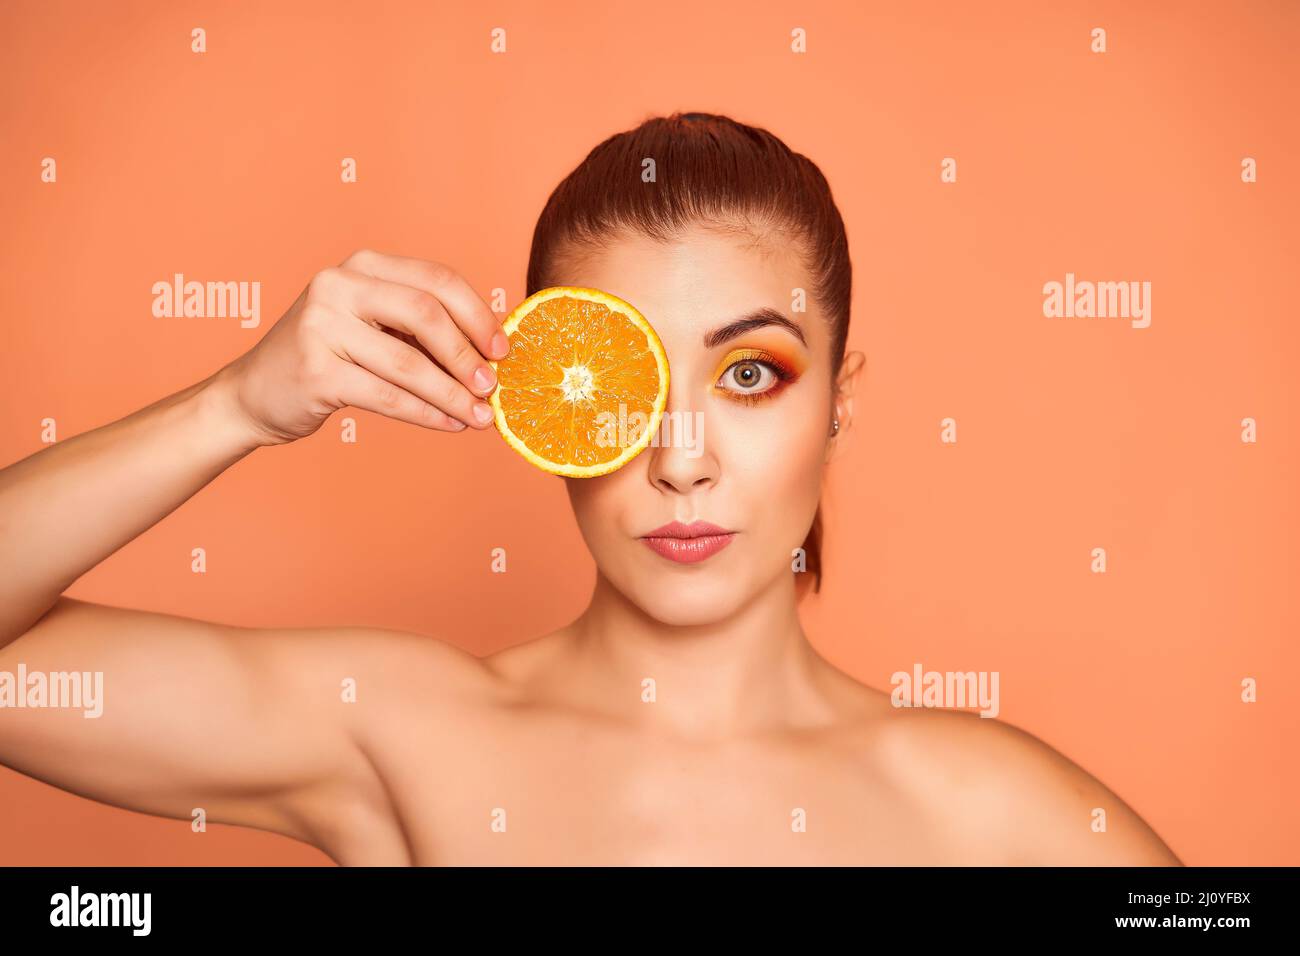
681,460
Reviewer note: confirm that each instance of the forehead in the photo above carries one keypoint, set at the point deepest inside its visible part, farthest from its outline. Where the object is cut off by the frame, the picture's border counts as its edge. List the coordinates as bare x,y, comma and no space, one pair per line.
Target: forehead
699,280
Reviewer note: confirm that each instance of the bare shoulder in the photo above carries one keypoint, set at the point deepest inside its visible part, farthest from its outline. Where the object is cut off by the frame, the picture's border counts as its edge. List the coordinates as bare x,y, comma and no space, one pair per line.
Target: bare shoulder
384,668
397,681
299,723
378,685
391,687
1005,797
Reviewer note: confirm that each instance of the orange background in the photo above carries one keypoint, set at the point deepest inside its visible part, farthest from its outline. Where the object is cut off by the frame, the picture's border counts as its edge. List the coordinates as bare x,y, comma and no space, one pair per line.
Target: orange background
1073,433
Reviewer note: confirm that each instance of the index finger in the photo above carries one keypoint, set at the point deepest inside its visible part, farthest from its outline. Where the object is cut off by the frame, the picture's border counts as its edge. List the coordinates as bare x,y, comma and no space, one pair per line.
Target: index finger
465,306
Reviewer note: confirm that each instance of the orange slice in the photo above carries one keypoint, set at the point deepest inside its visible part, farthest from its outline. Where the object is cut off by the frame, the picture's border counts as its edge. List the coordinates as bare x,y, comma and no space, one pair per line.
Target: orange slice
585,384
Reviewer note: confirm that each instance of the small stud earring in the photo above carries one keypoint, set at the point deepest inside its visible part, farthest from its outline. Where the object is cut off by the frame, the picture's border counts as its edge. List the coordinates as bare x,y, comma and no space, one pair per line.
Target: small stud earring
835,426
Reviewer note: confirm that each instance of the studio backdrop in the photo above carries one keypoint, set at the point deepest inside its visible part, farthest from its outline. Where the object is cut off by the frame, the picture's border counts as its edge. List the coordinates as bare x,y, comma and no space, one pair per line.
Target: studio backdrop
1096,502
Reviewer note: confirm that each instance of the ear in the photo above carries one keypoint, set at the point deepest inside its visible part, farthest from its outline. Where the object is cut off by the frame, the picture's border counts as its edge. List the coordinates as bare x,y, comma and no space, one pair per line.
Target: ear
851,370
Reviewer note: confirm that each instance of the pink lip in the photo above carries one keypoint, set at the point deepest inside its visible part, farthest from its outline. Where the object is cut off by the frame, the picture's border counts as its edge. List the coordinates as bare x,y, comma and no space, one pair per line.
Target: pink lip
688,543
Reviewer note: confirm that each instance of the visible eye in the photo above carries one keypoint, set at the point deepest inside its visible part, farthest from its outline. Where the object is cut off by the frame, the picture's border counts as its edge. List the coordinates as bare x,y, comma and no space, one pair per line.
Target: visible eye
750,377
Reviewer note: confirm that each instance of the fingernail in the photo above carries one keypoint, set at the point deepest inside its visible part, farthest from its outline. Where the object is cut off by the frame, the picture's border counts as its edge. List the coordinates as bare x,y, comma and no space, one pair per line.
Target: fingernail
483,378
456,424
500,344
483,413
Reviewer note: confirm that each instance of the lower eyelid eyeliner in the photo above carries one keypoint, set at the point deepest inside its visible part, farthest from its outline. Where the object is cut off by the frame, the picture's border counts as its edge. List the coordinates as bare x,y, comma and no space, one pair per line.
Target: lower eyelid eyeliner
785,375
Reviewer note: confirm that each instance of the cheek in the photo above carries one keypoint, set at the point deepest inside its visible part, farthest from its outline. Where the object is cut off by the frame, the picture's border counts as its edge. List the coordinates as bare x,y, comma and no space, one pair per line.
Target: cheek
600,504
774,460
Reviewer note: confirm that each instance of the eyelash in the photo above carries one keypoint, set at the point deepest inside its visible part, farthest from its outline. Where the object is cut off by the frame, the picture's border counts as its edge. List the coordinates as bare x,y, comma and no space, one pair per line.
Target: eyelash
783,372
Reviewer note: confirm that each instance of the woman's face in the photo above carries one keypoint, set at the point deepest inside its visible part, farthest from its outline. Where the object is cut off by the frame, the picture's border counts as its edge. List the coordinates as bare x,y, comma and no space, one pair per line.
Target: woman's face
747,430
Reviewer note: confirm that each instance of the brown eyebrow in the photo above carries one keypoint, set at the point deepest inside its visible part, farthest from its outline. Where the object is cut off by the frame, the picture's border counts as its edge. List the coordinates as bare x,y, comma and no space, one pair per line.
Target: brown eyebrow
755,320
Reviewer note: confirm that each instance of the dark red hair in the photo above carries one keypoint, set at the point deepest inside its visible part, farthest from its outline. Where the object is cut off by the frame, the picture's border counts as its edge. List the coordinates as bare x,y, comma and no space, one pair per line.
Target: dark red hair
709,170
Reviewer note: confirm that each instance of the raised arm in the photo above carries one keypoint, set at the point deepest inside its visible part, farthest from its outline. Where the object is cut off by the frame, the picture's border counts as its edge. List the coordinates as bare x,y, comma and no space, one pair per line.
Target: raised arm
244,723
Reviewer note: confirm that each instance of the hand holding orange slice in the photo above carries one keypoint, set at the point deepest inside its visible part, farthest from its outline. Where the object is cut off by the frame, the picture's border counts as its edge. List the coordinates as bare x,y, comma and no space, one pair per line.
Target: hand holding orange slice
580,361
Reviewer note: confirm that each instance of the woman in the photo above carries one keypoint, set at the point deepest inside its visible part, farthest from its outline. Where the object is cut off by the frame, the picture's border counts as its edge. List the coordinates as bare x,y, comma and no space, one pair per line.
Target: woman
683,717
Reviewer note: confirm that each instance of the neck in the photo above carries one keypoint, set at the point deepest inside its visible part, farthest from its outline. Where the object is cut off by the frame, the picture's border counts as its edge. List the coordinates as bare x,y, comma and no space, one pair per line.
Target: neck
752,671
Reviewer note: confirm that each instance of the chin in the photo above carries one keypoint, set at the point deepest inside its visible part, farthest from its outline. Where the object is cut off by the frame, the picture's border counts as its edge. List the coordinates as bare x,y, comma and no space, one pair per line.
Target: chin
697,598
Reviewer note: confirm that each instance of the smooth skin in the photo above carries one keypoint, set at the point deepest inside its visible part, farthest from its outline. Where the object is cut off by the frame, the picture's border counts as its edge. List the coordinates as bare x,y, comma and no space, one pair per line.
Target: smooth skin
749,723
